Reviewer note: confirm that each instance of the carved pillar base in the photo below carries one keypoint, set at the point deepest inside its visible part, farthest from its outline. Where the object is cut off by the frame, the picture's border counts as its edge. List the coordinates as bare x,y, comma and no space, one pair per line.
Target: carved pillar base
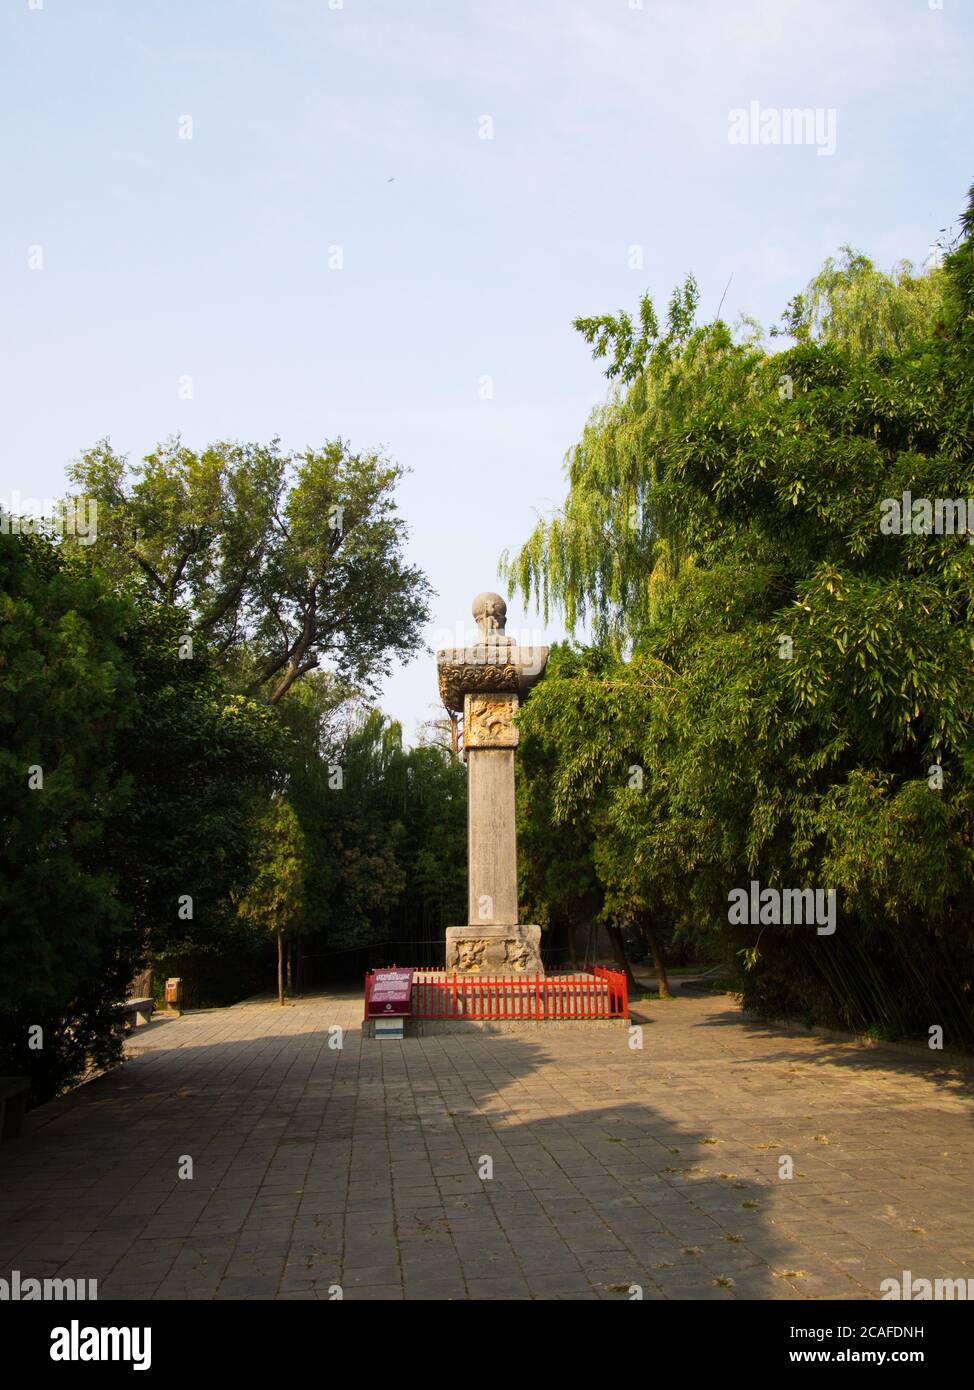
483,950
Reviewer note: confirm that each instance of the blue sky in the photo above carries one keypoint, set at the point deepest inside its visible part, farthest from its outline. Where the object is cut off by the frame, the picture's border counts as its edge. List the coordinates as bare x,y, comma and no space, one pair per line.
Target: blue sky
166,257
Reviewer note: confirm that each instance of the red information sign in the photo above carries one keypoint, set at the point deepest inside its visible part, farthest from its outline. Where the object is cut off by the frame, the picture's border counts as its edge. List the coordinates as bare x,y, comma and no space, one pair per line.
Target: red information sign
391,993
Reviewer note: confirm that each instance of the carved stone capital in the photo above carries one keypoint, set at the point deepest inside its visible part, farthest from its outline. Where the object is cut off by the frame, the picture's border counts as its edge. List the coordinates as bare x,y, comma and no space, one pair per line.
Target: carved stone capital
495,666
458,675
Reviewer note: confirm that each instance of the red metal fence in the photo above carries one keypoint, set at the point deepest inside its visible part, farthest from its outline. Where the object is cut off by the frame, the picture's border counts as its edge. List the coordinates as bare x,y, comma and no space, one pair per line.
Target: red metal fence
598,993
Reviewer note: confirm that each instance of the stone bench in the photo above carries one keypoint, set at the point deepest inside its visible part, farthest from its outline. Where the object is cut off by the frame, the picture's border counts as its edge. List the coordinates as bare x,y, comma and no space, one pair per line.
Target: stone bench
13,1105
134,1012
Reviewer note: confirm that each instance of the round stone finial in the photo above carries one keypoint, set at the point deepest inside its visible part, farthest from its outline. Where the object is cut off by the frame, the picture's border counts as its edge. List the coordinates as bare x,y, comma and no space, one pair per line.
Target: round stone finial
490,611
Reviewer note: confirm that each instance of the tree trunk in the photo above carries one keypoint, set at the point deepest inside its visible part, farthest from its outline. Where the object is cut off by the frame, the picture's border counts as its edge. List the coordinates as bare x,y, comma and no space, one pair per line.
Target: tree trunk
619,947
662,983
280,968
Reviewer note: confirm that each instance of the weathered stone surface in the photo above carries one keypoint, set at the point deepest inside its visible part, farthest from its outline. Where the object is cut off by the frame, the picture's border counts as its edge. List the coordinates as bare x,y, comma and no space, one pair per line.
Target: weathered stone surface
494,950
490,611
493,665
491,838
488,721
487,668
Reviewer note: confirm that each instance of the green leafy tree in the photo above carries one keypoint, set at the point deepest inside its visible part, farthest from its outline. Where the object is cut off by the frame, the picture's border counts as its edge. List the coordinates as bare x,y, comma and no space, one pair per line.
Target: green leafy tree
274,899
383,835
199,757
67,942
282,562
433,850
794,681
129,774
384,826
582,731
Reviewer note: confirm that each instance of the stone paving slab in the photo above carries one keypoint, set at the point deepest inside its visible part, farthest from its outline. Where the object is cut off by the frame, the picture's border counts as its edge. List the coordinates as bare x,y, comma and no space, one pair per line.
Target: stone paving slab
362,1171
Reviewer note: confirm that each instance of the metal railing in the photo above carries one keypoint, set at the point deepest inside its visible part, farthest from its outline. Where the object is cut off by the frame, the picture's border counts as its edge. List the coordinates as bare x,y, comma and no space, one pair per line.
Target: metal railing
594,993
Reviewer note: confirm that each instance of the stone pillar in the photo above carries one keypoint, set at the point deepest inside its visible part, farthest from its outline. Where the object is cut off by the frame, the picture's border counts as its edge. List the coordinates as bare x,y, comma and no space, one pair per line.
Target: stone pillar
486,681
489,741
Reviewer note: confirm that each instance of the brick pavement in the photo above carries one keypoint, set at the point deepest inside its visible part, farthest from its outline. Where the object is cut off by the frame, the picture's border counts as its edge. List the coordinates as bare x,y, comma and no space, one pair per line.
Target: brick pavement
316,1168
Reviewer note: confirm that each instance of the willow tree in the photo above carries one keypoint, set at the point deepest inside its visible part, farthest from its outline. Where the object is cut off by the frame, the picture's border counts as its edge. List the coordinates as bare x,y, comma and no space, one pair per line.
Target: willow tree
624,528
600,557
851,301
792,682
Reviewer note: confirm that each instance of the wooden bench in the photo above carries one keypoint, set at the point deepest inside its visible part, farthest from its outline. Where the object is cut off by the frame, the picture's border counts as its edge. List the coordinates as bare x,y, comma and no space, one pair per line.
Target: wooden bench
13,1105
134,1011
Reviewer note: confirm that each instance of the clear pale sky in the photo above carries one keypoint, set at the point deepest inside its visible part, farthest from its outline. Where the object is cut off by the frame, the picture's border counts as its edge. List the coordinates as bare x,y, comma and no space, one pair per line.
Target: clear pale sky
166,257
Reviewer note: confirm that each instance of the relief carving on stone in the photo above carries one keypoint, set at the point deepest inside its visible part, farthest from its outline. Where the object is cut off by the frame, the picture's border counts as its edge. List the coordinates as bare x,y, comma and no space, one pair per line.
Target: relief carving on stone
517,955
456,678
469,956
488,721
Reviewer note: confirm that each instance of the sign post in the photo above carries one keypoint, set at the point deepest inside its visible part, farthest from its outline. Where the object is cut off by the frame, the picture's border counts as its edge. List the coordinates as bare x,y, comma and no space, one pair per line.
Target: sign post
390,1001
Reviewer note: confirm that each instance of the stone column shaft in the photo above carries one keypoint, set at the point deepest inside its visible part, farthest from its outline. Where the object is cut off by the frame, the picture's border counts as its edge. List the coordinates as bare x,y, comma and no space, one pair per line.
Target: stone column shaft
491,838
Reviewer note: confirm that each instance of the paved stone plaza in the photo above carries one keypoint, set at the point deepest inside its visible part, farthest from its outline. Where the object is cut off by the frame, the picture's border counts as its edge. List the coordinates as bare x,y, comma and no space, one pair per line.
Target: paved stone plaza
315,1167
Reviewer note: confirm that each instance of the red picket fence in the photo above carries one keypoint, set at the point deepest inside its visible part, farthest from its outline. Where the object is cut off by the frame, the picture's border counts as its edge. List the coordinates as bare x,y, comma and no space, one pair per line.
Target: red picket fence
598,993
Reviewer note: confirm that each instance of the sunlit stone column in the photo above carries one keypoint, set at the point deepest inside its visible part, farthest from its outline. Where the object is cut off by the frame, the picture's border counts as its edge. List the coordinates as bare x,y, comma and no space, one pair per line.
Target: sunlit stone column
487,681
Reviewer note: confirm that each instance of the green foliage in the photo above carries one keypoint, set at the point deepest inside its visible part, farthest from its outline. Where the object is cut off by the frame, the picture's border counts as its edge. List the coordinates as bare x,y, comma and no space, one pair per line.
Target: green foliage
67,943
783,674
282,561
199,758
433,850
172,681
631,354
625,529
558,883
384,826
274,899
150,767
850,301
